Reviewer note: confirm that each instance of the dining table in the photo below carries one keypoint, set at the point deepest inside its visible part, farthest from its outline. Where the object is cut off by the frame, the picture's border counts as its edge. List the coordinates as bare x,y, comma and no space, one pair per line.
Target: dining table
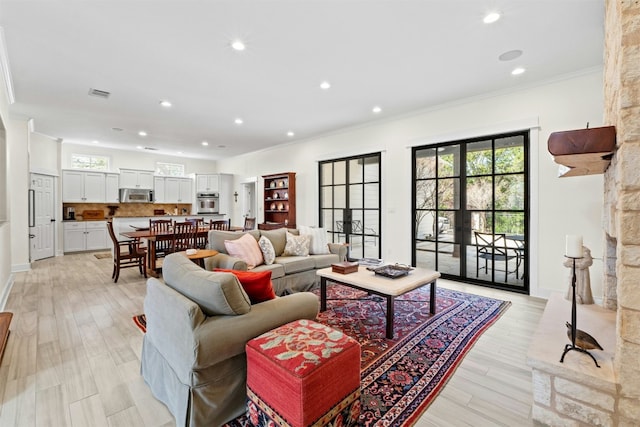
152,237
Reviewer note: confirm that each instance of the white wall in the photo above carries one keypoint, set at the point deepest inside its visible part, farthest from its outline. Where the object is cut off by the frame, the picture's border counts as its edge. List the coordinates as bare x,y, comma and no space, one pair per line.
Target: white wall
559,206
18,169
5,225
142,160
44,154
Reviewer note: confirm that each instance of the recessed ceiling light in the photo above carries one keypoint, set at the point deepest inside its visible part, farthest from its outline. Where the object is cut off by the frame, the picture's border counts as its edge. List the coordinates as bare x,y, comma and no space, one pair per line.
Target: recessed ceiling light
325,85
510,55
238,45
139,147
238,121
142,133
179,152
290,134
492,17
205,143
376,109
165,103
518,71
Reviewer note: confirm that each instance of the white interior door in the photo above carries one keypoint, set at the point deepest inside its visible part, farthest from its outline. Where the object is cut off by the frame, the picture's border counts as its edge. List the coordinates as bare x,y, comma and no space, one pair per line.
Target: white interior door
249,200
41,216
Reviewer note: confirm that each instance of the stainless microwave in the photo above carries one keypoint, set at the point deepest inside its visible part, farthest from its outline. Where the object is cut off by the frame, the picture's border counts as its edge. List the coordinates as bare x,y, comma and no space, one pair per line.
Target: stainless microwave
135,195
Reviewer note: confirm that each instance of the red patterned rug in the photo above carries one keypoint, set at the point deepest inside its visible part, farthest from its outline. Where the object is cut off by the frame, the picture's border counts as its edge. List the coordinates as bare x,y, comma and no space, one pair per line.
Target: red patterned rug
402,376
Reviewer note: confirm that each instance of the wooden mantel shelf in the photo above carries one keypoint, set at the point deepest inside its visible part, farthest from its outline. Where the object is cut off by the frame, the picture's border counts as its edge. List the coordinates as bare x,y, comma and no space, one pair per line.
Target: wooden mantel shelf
583,151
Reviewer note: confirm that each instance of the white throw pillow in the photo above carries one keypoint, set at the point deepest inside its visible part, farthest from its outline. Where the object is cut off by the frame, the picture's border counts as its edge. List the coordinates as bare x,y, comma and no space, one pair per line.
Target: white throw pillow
319,243
268,252
297,245
246,248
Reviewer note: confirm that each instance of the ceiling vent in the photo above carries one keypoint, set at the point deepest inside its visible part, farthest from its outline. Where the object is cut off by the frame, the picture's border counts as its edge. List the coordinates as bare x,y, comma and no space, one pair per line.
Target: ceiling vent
150,148
99,93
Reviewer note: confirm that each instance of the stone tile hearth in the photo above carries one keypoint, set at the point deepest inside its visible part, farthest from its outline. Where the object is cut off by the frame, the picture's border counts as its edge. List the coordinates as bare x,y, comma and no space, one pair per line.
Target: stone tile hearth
575,392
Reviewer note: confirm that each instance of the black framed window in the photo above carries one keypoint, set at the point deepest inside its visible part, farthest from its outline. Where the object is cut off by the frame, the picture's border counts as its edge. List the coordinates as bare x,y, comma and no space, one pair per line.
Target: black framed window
471,209
350,200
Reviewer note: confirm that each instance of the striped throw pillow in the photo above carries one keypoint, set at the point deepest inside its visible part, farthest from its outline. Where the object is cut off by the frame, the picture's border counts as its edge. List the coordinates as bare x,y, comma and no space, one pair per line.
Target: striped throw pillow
246,248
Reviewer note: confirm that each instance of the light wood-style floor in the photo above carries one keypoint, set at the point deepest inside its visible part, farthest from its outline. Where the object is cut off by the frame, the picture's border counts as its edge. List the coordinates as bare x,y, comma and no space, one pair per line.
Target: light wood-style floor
73,356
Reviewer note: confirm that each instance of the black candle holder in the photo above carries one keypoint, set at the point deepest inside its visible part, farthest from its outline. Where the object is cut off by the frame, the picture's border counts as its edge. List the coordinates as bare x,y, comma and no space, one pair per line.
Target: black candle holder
574,328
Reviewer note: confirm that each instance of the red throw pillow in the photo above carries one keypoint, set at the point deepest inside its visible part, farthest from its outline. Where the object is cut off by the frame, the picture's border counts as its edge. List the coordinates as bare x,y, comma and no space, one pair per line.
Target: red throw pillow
257,284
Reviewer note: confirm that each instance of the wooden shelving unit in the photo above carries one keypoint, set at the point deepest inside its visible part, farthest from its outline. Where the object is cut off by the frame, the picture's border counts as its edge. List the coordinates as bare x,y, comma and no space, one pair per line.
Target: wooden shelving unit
279,201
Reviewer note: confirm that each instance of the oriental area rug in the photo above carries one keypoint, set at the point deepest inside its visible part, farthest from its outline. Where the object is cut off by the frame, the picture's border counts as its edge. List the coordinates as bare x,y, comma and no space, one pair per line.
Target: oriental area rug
401,377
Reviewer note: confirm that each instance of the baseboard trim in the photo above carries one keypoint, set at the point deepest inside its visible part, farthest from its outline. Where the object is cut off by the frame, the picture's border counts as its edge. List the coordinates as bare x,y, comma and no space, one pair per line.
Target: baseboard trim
17,268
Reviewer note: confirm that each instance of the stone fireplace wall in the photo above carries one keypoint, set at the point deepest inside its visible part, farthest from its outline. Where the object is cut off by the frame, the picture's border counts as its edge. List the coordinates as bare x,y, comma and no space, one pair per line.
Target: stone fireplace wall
622,198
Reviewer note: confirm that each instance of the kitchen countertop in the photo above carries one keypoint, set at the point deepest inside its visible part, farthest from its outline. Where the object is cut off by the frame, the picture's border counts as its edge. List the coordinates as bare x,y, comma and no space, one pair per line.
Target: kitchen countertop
125,217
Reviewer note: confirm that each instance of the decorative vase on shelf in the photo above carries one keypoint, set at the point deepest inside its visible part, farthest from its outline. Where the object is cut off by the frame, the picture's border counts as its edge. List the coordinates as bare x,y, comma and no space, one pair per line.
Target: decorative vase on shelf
286,195
273,184
273,206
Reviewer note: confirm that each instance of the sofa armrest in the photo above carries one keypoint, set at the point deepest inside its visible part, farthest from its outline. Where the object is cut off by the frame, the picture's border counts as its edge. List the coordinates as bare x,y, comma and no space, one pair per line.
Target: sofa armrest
172,319
224,261
222,337
339,249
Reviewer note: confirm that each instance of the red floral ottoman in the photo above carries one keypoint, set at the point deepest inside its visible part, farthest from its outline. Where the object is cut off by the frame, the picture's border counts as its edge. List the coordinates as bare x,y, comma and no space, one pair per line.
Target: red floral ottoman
302,374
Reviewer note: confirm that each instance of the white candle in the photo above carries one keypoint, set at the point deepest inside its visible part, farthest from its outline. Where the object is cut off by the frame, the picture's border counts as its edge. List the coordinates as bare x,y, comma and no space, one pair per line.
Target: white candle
573,246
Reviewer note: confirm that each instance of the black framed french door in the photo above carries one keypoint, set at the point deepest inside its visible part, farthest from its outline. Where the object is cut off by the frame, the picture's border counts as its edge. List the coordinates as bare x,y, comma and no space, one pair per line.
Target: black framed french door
471,210
350,200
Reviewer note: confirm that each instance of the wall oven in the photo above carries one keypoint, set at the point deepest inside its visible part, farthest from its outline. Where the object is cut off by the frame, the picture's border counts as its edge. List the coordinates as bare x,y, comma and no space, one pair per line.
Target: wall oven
208,203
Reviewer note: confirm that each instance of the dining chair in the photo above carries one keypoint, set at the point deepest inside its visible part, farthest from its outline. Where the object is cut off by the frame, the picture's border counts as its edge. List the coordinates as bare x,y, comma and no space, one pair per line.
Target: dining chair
126,253
184,236
201,238
249,224
163,246
224,224
493,247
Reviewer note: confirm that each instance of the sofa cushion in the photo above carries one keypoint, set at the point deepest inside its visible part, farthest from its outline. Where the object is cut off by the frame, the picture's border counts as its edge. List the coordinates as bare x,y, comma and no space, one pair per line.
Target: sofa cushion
277,238
297,245
256,284
215,293
217,238
295,264
246,248
268,252
277,270
324,261
318,238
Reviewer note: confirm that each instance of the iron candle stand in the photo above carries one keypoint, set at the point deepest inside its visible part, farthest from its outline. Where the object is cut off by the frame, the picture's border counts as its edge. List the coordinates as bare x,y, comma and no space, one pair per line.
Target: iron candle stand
572,346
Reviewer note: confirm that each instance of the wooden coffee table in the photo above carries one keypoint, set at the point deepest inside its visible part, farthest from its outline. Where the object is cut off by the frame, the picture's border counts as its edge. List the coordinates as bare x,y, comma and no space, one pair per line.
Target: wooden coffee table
200,255
368,281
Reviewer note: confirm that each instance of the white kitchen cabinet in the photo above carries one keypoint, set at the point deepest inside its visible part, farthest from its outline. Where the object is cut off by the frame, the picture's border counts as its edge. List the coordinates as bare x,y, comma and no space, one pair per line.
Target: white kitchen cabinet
206,183
83,187
158,189
112,194
85,236
132,178
177,190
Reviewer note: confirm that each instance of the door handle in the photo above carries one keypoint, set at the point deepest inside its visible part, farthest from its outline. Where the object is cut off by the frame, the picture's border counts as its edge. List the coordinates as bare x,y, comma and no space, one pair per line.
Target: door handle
53,220
32,236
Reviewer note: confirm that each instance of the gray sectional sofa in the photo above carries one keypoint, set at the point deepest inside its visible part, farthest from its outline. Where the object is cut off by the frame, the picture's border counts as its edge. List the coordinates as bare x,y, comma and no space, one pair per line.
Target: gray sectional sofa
198,324
289,274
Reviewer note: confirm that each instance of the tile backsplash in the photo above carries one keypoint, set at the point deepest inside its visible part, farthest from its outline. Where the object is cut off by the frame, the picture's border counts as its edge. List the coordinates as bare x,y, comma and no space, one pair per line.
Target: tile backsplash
129,209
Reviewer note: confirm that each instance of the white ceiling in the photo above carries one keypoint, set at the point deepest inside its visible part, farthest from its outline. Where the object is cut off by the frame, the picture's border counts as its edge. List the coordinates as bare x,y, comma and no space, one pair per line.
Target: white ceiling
400,55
